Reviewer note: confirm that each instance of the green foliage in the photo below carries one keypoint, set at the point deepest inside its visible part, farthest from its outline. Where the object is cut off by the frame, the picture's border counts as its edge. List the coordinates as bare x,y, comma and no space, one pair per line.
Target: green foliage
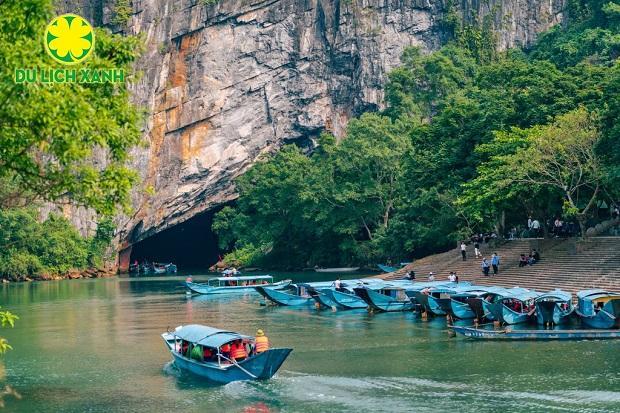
31,248
463,129
122,12
7,319
64,141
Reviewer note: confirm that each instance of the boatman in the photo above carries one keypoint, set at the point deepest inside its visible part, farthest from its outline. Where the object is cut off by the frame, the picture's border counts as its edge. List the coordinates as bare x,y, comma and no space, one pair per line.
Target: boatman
262,342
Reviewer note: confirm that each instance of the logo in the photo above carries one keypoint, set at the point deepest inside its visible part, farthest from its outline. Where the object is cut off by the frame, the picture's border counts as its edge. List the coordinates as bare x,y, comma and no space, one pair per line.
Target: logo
69,39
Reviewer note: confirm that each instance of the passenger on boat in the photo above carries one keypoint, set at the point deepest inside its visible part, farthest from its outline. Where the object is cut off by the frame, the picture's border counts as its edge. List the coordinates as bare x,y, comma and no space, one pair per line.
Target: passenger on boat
184,347
207,354
225,351
238,351
452,276
262,342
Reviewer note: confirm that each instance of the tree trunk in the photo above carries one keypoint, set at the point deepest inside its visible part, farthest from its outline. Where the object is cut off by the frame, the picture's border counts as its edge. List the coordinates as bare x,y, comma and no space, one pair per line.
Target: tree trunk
581,219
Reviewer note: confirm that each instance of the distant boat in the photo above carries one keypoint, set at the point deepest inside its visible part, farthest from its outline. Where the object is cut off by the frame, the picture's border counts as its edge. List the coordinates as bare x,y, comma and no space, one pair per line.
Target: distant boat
599,308
515,307
295,295
232,285
341,269
218,367
554,307
386,268
507,334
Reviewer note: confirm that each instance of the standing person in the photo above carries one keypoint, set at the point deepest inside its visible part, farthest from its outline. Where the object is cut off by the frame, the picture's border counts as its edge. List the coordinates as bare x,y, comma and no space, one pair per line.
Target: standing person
337,284
495,263
529,223
616,212
431,276
477,249
262,342
536,227
463,250
485,267
451,277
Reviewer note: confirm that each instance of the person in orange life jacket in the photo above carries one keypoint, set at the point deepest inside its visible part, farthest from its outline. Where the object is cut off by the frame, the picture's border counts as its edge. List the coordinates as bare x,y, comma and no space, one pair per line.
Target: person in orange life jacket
262,342
238,352
225,351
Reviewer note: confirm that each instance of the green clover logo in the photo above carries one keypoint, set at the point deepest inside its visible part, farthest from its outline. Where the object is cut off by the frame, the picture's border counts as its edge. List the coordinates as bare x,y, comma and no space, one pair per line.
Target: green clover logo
69,39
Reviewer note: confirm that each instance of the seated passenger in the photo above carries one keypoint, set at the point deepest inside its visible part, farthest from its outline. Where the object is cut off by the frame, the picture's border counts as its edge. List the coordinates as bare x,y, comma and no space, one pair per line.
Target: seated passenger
238,352
207,354
225,351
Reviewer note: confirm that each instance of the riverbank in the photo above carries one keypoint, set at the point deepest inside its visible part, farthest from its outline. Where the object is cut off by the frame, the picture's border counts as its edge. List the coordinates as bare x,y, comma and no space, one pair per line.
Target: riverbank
71,275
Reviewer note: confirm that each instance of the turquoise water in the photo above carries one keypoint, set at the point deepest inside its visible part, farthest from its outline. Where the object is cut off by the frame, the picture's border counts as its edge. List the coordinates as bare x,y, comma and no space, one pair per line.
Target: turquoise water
94,345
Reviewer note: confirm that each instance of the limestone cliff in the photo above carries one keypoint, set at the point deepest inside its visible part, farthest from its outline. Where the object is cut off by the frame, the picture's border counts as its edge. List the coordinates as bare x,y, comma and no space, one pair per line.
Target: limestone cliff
227,82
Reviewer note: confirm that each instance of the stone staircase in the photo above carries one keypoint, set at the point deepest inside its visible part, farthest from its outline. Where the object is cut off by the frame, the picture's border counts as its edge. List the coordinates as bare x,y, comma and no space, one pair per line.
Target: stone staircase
565,263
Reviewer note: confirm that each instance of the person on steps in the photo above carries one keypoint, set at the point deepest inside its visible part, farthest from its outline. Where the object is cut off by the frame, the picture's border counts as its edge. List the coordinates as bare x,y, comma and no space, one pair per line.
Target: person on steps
495,263
485,267
477,250
464,251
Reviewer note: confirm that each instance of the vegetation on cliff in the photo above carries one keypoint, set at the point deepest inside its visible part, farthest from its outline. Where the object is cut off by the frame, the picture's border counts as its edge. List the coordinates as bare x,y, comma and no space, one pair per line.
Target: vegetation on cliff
63,143
463,145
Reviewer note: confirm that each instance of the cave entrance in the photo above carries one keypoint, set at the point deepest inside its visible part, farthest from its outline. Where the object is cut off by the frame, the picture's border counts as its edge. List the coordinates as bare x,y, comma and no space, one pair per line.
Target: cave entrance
191,245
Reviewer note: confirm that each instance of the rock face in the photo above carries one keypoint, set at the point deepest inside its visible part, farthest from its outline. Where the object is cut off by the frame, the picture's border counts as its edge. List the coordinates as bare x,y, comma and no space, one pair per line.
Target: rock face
225,83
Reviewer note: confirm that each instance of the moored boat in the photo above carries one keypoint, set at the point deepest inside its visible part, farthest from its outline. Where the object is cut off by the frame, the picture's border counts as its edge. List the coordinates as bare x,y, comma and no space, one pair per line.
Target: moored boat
337,269
516,306
345,297
198,349
554,307
294,295
392,296
232,285
508,334
599,308
436,299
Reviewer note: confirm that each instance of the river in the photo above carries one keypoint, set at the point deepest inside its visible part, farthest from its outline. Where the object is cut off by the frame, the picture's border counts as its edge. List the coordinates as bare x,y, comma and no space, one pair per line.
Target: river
95,346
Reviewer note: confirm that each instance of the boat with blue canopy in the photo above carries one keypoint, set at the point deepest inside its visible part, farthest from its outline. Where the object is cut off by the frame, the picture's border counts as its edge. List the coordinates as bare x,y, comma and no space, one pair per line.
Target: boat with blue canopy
294,295
200,350
599,308
231,285
461,302
394,295
437,299
345,297
516,306
554,307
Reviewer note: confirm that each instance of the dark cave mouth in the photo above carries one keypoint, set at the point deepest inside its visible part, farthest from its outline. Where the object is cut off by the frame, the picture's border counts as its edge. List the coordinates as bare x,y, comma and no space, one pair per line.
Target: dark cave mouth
191,244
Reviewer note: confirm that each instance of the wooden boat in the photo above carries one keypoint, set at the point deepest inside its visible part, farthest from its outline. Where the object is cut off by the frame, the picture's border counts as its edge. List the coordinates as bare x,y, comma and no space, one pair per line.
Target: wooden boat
341,269
554,307
515,307
598,308
386,268
393,296
231,285
508,334
436,299
460,302
295,295
220,368
345,298
481,306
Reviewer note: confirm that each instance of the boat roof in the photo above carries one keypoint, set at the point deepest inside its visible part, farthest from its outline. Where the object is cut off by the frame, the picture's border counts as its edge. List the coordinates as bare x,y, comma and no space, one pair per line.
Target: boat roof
243,278
559,294
522,294
594,293
206,336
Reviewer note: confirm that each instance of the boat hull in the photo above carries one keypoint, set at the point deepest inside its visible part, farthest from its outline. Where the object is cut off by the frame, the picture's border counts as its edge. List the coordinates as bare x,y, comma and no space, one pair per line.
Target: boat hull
282,298
323,298
260,367
481,334
237,289
381,302
461,310
346,301
549,312
506,315
343,269
600,321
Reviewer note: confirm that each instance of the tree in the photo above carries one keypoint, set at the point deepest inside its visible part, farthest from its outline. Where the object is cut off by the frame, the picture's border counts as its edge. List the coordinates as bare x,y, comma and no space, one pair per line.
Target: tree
559,158
64,142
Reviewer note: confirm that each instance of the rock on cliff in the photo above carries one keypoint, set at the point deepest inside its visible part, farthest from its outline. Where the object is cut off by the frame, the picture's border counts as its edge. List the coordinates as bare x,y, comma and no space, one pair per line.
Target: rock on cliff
226,82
